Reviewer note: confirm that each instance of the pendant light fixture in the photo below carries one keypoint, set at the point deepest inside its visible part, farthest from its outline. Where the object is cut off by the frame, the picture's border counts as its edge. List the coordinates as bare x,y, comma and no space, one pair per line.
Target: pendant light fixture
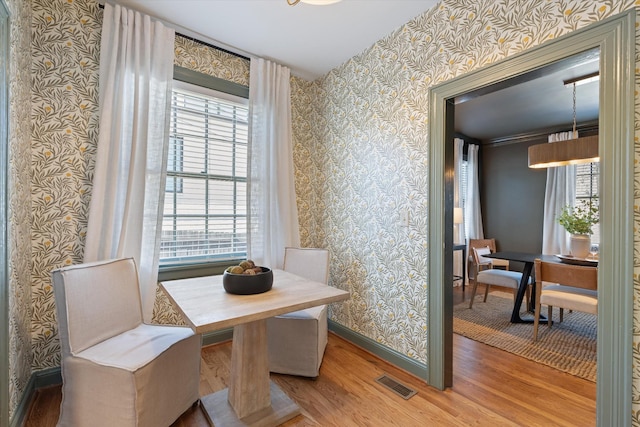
571,151
314,2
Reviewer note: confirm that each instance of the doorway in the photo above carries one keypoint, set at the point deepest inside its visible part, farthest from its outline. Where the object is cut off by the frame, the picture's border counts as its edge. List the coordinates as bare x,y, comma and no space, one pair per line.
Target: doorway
615,38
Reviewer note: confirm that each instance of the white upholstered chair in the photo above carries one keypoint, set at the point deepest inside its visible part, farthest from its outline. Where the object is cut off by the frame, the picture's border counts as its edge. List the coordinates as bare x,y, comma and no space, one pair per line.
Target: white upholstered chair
297,340
568,286
484,273
117,370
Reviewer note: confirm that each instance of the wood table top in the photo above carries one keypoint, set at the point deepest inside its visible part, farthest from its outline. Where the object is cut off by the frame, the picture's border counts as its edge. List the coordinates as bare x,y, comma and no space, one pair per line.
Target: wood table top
207,307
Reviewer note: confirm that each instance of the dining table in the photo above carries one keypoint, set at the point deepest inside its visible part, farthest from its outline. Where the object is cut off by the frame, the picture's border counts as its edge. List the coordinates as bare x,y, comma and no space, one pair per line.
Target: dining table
528,260
251,399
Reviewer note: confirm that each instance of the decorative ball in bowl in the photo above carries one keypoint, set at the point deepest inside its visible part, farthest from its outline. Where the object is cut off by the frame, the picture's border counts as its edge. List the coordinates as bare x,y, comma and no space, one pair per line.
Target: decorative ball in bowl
252,280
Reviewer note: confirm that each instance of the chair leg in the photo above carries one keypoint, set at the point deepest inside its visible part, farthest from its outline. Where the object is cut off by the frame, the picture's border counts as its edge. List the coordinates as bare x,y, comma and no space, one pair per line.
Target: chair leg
549,315
486,292
536,320
561,314
474,288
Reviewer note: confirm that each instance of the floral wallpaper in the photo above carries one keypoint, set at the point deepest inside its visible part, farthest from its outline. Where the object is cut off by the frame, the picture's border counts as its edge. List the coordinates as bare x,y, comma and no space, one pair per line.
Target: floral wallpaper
65,53
361,156
365,146
64,114
19,201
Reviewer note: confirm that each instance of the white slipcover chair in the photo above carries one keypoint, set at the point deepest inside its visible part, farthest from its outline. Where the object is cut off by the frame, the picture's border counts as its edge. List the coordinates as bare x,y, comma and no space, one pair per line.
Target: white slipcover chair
117,370
297,340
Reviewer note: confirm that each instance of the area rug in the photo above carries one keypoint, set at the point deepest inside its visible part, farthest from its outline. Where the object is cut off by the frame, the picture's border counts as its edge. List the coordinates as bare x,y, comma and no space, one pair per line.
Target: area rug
569,346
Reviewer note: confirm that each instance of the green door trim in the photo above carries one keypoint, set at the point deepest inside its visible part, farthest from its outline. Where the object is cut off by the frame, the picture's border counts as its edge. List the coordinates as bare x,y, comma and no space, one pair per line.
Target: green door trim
4,218
615,37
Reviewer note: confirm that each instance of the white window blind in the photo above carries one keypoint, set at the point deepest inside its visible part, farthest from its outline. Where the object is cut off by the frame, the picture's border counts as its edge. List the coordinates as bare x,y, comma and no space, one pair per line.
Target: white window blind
587,185
205,202
462,195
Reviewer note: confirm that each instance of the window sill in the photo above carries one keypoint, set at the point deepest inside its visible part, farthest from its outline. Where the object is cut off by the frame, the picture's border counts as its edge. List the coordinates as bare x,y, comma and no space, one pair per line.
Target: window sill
186,271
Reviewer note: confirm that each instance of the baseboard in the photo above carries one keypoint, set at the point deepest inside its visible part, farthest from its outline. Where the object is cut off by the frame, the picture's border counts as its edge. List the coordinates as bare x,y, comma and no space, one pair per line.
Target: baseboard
385,353
217,336
44,378
53,376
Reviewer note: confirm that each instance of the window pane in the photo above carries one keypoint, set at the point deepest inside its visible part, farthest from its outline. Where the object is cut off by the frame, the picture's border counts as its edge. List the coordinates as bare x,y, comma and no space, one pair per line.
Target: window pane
587,190
205,201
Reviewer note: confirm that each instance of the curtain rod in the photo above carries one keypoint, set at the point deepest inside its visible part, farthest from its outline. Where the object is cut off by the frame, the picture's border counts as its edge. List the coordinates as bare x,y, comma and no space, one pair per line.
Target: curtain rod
193,39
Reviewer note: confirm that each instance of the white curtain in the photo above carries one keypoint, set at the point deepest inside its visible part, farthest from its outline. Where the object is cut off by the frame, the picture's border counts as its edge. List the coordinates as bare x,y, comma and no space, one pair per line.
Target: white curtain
560,191
136,69
458,229
472,212
273,214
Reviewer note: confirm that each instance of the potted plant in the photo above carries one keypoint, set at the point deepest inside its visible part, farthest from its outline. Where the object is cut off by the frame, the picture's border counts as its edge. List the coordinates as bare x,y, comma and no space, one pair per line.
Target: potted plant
578,221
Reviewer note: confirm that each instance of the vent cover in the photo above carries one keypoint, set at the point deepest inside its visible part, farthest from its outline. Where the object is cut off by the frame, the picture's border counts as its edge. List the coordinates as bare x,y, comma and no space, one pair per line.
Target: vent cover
396,386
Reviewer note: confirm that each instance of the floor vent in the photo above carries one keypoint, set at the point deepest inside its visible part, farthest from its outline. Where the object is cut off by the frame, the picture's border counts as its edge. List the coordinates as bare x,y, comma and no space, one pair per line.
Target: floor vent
396,386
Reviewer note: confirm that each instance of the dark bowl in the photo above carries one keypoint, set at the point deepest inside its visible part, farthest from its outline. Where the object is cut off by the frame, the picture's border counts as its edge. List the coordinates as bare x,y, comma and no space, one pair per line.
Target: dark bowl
247,284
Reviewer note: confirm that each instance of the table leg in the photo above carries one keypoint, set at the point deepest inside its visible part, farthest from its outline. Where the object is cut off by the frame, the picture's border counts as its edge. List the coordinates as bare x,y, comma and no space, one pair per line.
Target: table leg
252,399
522,288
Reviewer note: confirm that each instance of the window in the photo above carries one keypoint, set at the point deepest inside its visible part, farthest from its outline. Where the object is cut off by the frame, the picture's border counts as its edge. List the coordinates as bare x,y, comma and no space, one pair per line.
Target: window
204,215
587,184
174,164
462,199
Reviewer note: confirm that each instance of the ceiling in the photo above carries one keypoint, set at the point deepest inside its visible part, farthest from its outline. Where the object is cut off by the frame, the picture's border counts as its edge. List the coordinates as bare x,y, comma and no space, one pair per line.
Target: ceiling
312,40
533,102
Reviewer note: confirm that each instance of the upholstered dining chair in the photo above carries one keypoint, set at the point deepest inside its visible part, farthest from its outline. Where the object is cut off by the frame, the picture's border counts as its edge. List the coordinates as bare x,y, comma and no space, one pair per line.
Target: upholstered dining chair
483,243
116,369
484,273
573,287
297,340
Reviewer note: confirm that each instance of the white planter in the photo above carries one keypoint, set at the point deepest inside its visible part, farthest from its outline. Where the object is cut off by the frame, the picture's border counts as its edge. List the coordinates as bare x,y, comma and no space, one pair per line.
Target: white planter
580,245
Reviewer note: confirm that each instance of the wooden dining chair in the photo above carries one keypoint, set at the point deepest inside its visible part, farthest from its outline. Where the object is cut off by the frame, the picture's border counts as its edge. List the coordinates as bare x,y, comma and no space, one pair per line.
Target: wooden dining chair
573,287
483,243
483,272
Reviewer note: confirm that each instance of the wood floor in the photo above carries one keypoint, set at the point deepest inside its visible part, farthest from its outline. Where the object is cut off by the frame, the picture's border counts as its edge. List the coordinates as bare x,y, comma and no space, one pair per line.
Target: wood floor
491,388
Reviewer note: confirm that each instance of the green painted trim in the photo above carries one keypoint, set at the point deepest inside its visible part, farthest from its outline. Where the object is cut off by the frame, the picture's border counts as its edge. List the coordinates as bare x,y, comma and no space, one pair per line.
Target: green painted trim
193,270
4,217
217,337
615,37
45,378
385,353
22,409
615,274
210,82
48,377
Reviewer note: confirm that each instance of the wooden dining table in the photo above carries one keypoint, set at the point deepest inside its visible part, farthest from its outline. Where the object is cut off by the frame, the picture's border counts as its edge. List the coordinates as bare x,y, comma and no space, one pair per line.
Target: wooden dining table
251,399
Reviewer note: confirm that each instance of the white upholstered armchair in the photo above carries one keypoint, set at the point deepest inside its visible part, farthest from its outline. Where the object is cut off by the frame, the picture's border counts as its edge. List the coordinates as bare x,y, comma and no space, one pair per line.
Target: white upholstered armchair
117,370
297,340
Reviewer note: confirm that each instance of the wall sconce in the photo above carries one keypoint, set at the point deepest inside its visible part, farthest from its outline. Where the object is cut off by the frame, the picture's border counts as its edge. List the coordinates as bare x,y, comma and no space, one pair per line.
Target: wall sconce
568,152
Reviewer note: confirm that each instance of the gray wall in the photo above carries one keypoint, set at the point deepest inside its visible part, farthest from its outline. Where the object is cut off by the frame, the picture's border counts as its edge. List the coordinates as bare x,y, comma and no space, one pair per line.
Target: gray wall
512,196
